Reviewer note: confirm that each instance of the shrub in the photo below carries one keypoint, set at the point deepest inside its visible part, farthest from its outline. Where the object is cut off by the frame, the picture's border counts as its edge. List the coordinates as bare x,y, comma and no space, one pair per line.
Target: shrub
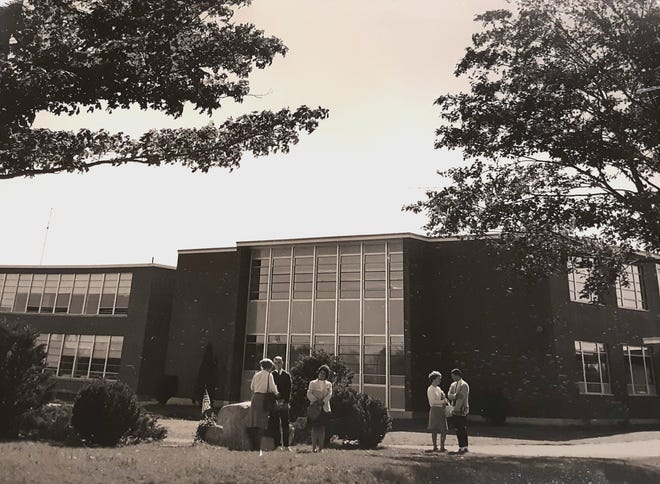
146,429
50,422
23,384
104,412
166,388
358,417
204,424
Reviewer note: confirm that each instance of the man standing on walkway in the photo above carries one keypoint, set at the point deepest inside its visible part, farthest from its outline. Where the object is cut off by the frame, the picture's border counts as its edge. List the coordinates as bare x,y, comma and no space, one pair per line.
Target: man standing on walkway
459,393
280,414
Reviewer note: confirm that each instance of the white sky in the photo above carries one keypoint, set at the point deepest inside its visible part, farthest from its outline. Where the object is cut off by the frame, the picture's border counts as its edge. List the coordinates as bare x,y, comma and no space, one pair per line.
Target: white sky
377,65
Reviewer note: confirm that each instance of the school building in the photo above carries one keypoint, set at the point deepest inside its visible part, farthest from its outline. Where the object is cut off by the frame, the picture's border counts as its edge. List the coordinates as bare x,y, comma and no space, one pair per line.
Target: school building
393,306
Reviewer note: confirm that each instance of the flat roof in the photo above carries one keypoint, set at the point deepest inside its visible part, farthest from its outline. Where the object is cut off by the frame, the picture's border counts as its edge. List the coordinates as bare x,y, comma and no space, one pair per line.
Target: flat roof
102,266
315,240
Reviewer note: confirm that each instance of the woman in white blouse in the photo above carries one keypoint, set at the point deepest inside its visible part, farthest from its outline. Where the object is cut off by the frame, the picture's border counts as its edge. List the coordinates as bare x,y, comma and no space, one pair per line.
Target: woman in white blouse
437,401
264,392
319,393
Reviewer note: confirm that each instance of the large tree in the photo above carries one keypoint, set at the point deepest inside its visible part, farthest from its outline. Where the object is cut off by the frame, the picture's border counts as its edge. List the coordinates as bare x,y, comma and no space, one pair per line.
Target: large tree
561,127
68,56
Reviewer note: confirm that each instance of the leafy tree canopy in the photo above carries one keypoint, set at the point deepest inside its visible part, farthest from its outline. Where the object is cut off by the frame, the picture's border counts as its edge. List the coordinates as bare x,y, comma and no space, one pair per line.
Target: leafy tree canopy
562,128
69,56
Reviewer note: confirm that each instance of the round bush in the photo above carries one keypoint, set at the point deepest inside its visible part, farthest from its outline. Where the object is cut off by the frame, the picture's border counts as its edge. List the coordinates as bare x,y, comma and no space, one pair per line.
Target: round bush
104,412
50,422
358,417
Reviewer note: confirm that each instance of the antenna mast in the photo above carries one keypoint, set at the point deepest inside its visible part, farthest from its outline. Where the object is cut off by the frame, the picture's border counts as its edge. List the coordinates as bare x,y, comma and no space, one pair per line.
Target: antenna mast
43,248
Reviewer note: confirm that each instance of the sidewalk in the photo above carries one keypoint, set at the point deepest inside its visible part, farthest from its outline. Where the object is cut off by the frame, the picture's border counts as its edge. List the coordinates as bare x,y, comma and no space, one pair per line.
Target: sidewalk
623,446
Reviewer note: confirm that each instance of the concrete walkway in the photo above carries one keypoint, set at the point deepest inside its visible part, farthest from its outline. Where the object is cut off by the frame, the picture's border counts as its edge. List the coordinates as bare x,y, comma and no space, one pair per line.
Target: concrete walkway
630,445
623,446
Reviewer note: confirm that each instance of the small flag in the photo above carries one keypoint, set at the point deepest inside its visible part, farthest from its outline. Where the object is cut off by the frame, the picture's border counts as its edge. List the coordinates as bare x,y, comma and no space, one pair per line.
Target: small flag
206,402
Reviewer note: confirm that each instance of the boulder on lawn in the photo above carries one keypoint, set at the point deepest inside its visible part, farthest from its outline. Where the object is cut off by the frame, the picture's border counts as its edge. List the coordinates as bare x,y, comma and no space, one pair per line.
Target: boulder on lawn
233,419
214,436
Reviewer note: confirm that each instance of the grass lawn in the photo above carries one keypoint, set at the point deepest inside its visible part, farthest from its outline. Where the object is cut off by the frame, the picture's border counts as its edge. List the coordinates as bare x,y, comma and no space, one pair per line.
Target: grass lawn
41,462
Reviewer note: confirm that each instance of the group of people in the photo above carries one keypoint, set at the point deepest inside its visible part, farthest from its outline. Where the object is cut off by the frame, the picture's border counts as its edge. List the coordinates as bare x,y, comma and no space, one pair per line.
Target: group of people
269,406
271,394
453,407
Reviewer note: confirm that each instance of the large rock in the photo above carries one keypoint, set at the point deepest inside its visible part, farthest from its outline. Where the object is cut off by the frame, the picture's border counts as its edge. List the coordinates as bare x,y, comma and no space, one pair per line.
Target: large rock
234,435
214,436
233,419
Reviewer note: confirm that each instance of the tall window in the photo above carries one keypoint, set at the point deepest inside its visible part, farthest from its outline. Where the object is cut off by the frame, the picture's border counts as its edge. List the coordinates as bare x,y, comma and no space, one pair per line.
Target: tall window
632,295
36,291
326,276
22,293
64,293
303,277
108,294
281,280
374,275
639,370
349,270
50,292
9,292
593,368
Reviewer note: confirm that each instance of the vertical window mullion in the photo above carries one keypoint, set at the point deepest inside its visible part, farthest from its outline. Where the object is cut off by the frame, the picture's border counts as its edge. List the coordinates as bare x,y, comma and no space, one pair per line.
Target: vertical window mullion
107,355
288,317
361,320
632,378
268,296
315,278
584,371
337,295
59,359
387,324
114,303
646,376
91,356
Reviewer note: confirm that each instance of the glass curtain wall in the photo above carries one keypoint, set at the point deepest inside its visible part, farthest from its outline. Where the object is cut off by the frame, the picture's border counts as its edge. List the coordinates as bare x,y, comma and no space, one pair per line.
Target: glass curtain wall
343,298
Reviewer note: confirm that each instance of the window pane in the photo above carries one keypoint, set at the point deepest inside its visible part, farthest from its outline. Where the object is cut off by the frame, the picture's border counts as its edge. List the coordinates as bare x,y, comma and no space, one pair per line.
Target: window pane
349,279
282,252
349,350
108,294
254,350
9,292
349,317
64,293
377,392
278,317
94,294
374,317
36,291
276,346
303,250
279,287
396,317
20,302
301,317
256,317
114,357
85,346
374,360
395,245
303,273
349,249
397,356
99,356
398,398
78,295
326,277
374,247
68,355
325,343
259,279
123,293
324,317
326,250
632,295
299,347
54,349
50,292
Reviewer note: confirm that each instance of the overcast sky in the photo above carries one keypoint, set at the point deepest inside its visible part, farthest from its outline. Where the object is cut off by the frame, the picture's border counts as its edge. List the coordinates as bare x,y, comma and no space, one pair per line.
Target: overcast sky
377,65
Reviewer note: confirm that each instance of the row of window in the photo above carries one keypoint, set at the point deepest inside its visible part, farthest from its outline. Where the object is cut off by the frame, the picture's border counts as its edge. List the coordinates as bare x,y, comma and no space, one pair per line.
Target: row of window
593,364
82,356
65,293
630,297
368,361
323,272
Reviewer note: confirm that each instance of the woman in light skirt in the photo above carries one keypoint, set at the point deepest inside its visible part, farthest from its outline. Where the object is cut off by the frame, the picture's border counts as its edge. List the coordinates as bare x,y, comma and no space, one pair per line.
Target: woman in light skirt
319,394
264,392
437,403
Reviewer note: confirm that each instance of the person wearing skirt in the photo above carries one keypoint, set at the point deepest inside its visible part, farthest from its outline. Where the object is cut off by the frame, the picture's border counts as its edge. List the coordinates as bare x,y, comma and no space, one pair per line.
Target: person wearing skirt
437,403
319,393
264,392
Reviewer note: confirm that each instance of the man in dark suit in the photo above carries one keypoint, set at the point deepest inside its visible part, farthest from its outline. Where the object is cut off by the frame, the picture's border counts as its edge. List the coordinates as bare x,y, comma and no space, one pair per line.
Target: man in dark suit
280,414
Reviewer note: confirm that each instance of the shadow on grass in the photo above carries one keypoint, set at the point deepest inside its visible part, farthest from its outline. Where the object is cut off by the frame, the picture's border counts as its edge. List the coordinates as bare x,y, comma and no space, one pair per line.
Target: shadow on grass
485,469
531,432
